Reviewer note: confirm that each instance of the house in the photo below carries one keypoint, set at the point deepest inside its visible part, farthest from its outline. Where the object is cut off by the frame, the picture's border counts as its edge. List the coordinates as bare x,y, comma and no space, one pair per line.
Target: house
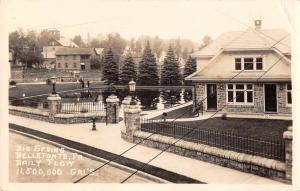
245,72
74,58
56,42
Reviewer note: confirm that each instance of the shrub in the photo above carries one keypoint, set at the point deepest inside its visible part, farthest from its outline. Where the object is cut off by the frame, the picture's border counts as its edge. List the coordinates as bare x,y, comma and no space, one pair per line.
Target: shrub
12,83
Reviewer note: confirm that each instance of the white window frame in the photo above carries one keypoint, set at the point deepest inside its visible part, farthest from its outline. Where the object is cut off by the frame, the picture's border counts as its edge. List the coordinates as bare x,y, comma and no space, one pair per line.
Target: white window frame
286,93
254,62
245,90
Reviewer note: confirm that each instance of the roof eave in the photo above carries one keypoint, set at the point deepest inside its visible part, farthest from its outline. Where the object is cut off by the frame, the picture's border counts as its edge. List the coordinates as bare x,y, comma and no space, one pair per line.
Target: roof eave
240,80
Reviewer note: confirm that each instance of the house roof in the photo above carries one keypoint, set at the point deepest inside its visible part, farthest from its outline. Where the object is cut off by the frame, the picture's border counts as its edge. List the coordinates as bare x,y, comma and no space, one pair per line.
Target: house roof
67,42
247,40
99,50
74,51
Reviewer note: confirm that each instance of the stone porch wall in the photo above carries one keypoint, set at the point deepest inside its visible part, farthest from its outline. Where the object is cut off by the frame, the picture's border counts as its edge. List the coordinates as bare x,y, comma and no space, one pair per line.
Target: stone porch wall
257,107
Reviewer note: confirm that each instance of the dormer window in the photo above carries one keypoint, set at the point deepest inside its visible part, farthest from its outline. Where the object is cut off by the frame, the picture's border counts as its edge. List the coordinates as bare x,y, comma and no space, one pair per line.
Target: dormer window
238,64
249,63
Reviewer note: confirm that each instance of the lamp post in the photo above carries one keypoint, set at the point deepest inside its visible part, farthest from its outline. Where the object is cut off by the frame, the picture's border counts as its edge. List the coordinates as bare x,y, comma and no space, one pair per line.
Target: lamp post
94,124
132,86
53,81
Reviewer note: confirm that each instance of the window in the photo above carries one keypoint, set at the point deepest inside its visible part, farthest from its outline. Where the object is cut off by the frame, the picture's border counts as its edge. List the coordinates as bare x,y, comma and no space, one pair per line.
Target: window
240,93
59,65
238,64
289,93
66,65
259,63
248,63
74,57
74,65
84,57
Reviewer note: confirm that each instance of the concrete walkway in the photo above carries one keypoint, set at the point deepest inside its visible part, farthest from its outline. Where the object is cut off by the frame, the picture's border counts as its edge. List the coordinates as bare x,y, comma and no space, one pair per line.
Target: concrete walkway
206,115
108,138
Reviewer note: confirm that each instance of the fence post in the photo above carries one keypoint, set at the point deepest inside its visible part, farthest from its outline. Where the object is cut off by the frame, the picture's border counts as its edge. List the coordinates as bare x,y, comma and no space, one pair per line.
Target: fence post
54,105
288,139
133,121
112,114
125,104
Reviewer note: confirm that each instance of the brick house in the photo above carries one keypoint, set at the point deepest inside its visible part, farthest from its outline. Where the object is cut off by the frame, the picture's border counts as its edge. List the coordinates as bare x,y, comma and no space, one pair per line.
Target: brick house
70,59
56,42
245,72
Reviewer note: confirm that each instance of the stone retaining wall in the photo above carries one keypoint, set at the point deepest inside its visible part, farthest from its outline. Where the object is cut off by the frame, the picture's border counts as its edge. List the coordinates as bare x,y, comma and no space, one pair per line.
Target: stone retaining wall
244,162
41,115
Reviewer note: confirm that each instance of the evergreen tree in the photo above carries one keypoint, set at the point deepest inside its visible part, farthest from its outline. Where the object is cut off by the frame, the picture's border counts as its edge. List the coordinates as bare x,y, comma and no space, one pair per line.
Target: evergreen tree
190,66
171,76
110,68
128,70
170,72
148,74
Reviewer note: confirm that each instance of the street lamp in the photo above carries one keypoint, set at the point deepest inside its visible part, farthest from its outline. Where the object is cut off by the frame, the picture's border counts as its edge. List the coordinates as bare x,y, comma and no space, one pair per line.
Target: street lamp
132,86
53,81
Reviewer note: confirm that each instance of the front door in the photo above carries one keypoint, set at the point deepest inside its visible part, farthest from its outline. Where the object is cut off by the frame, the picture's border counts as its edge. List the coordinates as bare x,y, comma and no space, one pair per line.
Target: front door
270,98
211,93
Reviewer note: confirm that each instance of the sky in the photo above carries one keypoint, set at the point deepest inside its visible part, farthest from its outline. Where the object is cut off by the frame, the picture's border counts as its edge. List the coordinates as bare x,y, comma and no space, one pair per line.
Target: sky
131,18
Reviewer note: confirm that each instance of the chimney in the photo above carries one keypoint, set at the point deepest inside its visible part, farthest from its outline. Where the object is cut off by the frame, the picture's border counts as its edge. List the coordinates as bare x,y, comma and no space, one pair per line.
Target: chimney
257,24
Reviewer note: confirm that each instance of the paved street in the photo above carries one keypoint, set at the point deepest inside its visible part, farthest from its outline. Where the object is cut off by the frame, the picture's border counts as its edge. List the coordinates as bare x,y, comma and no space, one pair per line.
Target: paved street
24,166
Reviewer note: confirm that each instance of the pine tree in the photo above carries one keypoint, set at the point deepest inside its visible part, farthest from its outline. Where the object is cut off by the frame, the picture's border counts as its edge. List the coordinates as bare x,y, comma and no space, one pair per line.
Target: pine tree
190,66
148,74
128,71
171,76
170,72
110,68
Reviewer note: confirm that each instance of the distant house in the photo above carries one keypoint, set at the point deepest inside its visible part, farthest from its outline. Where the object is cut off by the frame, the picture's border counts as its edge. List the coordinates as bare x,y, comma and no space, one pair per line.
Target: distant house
245,72
74,58
55,44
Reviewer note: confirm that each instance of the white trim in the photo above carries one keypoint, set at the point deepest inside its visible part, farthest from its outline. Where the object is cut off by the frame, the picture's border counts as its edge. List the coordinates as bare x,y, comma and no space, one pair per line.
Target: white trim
254,56
245,94
286,95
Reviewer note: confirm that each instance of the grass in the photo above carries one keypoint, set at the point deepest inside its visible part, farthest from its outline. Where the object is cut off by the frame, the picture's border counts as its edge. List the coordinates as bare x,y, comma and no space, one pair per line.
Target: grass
261,137
260,128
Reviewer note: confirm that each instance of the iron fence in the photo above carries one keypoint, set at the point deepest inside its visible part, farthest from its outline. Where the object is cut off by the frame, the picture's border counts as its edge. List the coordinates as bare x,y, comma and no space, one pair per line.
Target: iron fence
269,148
82,107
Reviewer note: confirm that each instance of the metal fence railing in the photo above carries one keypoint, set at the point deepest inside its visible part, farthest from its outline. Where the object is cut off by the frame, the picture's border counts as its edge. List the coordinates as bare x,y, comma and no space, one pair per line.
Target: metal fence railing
269,148
82,107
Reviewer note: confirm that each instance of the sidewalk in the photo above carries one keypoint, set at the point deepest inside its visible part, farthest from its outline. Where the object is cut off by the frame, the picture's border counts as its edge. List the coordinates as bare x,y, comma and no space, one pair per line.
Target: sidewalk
108,138
206,115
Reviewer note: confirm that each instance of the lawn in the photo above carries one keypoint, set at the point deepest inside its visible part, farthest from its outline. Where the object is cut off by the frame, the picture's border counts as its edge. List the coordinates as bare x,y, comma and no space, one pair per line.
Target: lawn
260,128
261,137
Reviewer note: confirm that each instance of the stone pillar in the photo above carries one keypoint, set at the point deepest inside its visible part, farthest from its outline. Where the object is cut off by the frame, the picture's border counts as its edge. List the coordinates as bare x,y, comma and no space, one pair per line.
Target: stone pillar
112,109
54,104
133,121
288,139
125,104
